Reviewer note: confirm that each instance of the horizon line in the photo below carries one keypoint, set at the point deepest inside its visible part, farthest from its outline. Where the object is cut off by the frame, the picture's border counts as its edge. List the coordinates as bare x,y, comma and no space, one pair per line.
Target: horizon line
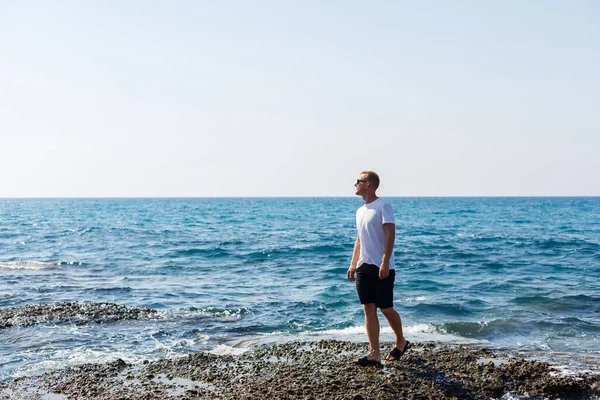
289,197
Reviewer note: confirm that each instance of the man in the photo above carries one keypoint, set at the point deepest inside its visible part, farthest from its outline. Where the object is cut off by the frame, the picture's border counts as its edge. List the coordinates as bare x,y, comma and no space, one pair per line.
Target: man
374,256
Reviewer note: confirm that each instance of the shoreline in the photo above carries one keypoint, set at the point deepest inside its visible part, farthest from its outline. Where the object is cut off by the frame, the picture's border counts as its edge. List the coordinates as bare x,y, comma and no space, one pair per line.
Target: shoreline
315,369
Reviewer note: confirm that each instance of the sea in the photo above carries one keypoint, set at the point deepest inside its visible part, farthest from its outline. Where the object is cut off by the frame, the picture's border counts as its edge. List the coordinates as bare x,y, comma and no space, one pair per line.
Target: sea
229,274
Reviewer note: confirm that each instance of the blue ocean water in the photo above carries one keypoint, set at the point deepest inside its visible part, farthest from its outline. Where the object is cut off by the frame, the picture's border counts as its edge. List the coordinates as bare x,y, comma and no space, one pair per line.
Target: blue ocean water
515,273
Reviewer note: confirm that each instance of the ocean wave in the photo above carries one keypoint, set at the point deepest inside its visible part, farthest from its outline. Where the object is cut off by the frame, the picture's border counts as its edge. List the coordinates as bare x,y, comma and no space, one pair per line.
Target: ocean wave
566,327
360,330
416,332
429,285
214,252
564,303
421,232
451,309
311,251
65,358
574,244
228,313
483,329
460,212
494,265
417,299
35,265
491,239
232,243
111,290
464,255
330,248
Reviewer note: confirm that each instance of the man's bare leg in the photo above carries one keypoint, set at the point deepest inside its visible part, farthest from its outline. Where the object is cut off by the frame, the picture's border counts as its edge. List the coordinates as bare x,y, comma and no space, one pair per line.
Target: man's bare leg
395,322
372,325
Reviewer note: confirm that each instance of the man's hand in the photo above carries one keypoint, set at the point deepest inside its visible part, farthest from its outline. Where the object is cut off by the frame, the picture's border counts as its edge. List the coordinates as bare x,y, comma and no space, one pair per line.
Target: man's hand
350,273
384,270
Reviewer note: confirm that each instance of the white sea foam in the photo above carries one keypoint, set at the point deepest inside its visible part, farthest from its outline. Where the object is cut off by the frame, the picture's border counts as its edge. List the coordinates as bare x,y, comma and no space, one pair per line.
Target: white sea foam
350,331
360,330
512,396
416,333
563,370
419,328
31,393
417,299
177,344
28,265
223,312
72,357
224,350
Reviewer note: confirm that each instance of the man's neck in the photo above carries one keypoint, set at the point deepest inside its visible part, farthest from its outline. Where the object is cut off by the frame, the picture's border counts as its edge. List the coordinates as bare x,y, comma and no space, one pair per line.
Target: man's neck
370,197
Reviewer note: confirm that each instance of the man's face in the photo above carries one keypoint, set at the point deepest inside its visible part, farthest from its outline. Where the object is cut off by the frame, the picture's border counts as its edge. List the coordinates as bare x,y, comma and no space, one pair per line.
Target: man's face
361,184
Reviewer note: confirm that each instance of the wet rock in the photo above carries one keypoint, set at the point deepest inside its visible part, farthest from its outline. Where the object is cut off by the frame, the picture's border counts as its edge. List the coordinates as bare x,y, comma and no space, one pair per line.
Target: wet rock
317,370
70,312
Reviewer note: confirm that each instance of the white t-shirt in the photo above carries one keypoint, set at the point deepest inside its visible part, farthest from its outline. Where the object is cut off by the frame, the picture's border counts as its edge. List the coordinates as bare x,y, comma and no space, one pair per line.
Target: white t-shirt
369,223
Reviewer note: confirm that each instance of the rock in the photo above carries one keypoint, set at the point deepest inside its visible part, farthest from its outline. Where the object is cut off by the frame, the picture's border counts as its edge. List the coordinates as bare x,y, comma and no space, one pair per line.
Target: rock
324,370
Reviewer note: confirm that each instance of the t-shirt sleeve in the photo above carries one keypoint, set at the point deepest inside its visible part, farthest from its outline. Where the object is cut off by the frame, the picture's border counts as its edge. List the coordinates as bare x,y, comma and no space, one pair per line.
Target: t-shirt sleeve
387,214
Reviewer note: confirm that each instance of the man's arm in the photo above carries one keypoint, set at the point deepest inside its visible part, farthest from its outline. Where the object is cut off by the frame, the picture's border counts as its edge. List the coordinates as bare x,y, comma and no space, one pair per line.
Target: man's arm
355,256
390,237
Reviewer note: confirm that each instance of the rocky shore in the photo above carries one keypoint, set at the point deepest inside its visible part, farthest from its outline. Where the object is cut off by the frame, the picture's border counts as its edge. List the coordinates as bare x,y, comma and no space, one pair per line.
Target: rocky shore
314,370
70,312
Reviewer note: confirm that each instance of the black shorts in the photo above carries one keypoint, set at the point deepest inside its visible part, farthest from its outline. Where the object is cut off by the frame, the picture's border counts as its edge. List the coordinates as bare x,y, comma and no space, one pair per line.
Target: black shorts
371,289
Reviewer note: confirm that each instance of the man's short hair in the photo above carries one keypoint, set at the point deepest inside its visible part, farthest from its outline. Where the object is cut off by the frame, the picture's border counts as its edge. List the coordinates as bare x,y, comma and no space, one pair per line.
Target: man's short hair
372,177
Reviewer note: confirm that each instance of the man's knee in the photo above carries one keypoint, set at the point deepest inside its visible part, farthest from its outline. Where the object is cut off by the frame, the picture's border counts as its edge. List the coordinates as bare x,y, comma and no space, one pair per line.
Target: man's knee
388,311
370,308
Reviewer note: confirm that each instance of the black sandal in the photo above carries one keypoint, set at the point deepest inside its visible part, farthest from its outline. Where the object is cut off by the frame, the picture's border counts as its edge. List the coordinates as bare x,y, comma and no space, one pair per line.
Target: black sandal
396,353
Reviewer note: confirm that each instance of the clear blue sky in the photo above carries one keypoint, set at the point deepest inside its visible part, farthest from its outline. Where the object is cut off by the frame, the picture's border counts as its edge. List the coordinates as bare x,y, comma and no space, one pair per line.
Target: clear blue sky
295,98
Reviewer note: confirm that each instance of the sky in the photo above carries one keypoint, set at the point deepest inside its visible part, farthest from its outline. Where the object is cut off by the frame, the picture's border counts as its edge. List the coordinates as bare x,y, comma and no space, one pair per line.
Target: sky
296,98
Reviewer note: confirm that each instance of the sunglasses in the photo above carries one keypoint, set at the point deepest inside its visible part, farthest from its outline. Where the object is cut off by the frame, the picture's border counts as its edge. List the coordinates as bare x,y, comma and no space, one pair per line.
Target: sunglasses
358,181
